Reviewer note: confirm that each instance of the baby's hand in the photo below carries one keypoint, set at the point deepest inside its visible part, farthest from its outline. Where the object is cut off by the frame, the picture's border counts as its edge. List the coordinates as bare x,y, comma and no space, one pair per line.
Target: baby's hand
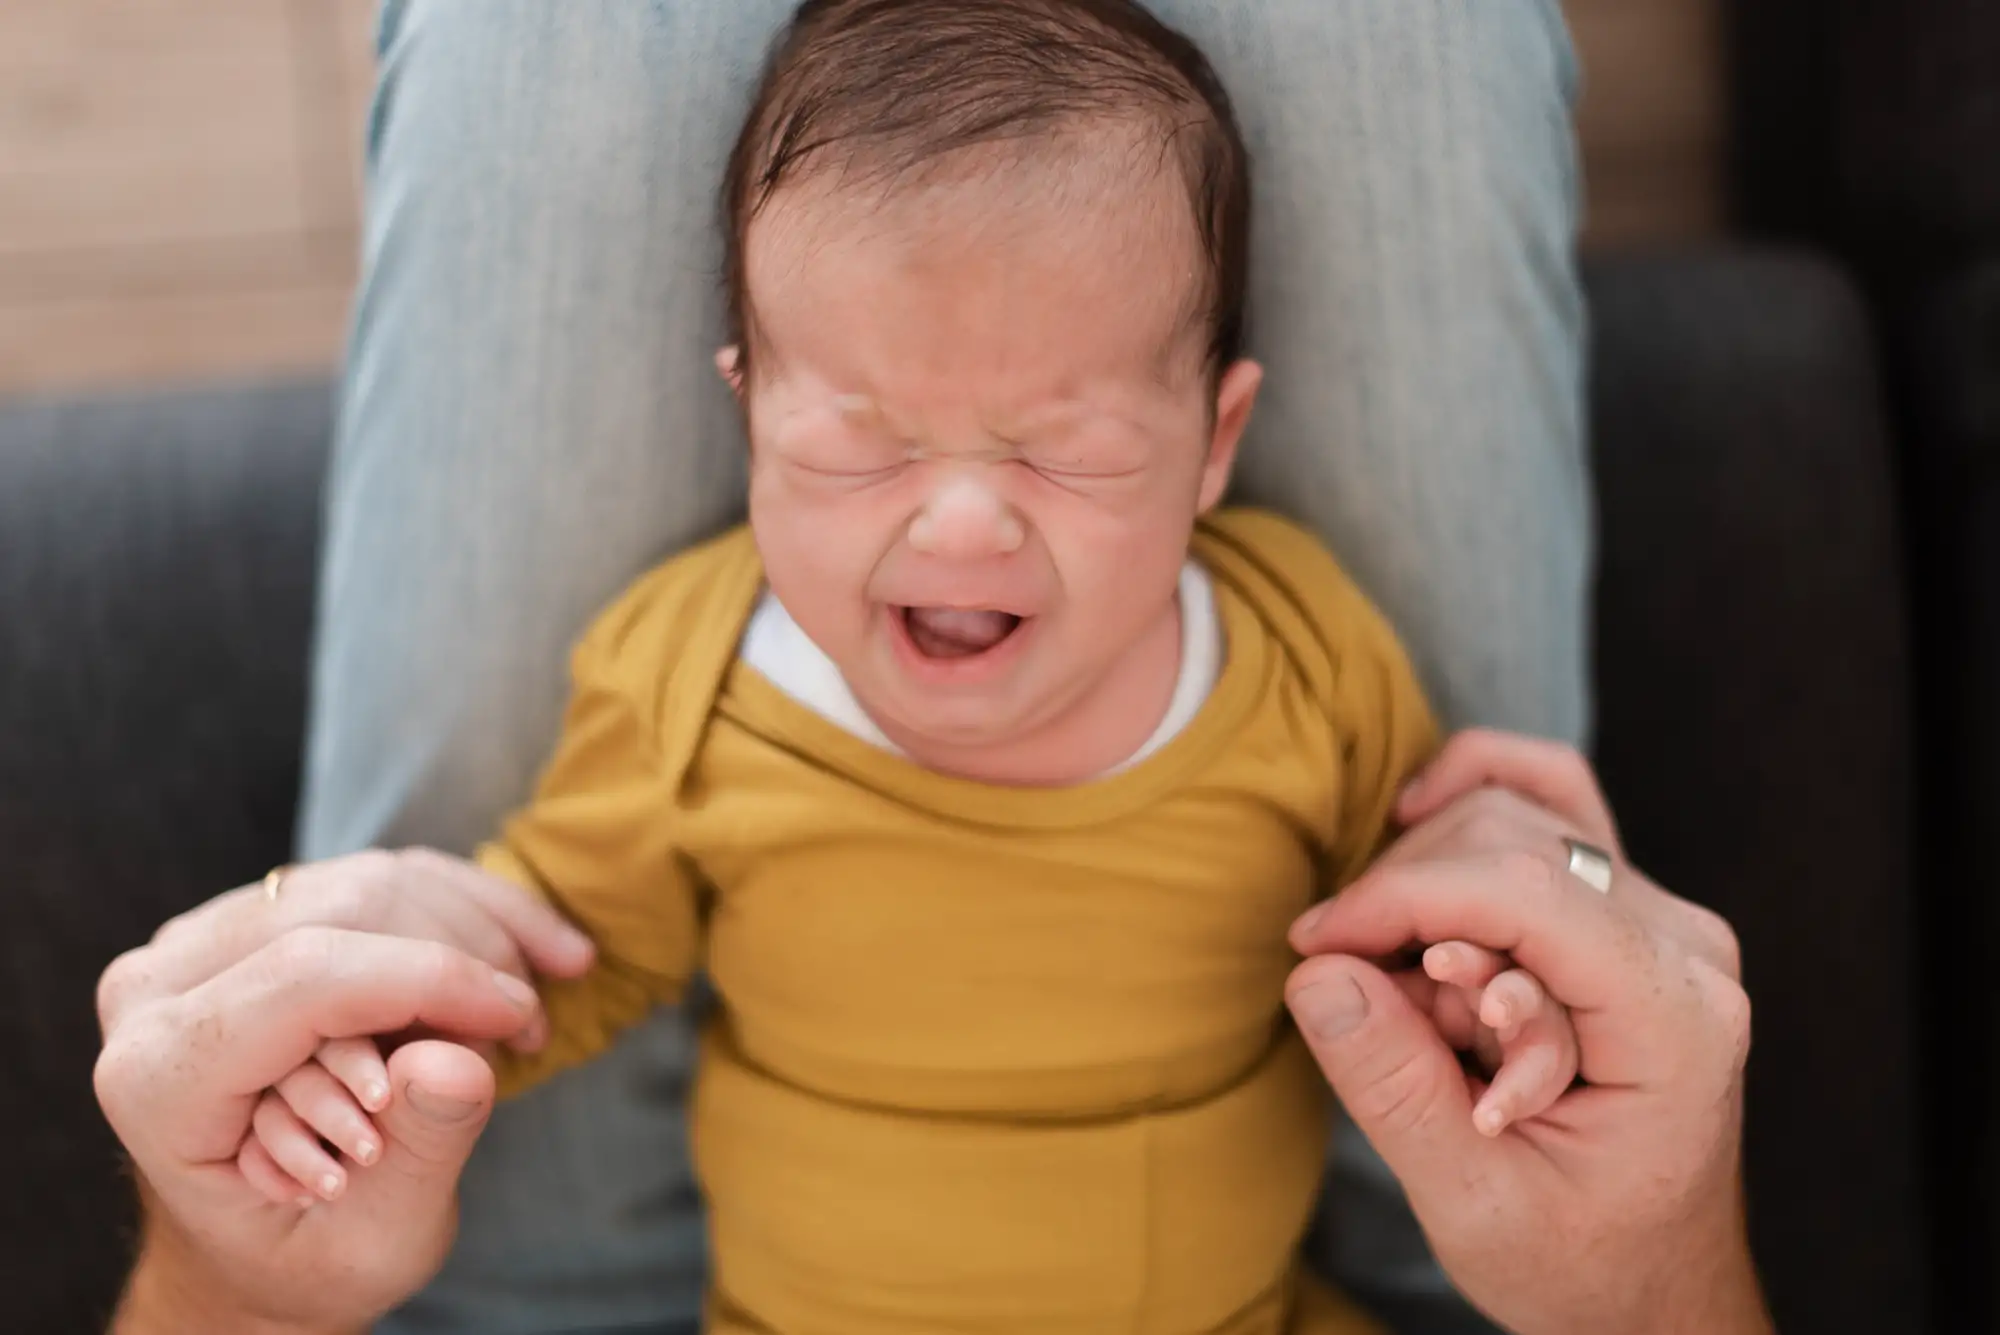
1524,1039
317,1112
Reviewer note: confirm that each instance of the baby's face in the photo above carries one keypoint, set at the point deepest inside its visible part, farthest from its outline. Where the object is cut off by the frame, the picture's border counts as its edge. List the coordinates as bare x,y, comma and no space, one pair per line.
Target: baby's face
981,431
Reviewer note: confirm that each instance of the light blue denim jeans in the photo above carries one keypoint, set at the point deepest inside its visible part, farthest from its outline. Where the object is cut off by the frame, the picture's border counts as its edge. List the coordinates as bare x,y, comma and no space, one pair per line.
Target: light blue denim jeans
531,417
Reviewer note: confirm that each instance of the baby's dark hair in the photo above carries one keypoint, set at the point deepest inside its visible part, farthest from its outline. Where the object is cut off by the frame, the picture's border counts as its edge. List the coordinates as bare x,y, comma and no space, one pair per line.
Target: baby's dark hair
874,90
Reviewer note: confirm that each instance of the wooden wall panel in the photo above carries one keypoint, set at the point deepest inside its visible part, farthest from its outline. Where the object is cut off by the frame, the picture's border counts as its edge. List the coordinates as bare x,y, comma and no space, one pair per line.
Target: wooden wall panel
1651,122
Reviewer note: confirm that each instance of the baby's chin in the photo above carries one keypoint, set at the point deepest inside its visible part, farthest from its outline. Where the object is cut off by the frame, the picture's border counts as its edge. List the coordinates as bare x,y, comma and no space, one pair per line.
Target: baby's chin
992,739
964,726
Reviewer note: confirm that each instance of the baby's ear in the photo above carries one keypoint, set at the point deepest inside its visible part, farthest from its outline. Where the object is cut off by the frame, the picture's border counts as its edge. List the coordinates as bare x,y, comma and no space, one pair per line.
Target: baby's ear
729,361
1235,396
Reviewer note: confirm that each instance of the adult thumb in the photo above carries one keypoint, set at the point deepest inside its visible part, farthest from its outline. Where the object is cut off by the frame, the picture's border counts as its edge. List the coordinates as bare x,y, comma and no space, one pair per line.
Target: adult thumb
442,1094
1392,1070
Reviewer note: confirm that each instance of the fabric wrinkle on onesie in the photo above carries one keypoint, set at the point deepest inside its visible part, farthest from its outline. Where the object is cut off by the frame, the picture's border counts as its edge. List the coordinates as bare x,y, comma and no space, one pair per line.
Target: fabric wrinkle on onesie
985,1058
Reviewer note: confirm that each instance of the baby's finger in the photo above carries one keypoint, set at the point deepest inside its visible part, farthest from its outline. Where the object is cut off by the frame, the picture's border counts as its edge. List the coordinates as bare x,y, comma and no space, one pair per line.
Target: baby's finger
1536,1069
1463,964
1453,1012
295,1149
1510,1001
271,1182
320,1102
1523,1087
357,1063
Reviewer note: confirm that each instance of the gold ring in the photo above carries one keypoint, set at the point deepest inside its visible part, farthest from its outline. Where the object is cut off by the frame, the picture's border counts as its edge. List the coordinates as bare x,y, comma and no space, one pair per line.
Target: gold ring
274,882
1590,864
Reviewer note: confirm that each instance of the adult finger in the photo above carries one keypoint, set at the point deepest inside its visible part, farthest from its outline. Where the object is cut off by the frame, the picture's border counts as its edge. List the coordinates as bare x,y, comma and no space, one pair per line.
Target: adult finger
443,1097
1550,773
1395,1076
1578,942
189,1068
363,892
444,1092
1493,820
396,894
1588,952
1701,931
551,943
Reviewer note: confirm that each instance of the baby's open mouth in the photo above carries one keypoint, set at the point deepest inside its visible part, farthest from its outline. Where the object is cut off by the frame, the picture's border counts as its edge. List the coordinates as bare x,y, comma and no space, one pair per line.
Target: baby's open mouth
957,632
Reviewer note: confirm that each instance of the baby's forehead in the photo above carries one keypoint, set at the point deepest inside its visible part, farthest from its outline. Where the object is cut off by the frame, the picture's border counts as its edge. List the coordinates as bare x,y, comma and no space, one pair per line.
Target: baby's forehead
1122,227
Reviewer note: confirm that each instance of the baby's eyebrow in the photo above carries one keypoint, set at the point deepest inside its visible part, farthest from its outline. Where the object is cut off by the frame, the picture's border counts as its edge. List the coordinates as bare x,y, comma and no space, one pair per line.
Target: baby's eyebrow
857,405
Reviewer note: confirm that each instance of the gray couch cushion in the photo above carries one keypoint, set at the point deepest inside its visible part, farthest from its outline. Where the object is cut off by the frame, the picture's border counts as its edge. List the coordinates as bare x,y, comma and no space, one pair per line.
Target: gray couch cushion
1754,730
156,582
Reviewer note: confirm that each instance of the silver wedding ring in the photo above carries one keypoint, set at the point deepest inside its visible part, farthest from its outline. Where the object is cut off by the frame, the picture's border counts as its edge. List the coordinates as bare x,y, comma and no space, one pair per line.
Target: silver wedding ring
1590,864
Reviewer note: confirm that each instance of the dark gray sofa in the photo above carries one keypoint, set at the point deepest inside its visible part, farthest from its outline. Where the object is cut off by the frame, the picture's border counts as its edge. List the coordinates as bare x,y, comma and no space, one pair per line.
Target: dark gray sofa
156,589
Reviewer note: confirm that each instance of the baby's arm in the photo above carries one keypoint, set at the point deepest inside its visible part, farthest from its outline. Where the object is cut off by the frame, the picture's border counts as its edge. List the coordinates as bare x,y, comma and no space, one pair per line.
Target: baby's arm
597,841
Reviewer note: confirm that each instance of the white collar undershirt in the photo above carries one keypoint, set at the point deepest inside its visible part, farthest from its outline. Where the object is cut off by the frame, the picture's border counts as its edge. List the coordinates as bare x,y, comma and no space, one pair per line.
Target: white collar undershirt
774,645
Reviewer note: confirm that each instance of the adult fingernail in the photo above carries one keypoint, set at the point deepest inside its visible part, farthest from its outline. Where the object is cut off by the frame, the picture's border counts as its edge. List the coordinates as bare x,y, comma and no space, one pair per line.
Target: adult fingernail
1330,1009
436,1106
518,993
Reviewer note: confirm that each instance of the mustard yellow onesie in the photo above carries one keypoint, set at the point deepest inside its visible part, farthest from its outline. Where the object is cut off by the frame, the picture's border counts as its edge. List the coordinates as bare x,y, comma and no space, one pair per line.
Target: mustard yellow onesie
987,1059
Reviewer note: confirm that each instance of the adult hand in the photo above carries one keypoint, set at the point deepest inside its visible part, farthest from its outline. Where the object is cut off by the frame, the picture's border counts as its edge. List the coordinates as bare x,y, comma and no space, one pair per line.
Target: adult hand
229,999
1619,1208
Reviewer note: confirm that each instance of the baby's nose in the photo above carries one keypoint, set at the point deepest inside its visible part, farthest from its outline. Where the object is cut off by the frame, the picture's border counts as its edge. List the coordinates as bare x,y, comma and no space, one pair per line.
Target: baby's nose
965,521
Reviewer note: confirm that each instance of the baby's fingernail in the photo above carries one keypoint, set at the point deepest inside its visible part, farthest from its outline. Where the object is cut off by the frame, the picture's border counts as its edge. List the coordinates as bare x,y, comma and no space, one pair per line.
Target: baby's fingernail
366,1150
1489,1120
518,993
304,1202
329,1185
1503,1014
1308,919
375,1096
531,1038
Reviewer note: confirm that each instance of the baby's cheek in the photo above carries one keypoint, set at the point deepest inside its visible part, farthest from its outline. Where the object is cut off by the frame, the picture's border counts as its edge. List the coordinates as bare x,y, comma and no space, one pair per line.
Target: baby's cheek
820,554
1126,563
